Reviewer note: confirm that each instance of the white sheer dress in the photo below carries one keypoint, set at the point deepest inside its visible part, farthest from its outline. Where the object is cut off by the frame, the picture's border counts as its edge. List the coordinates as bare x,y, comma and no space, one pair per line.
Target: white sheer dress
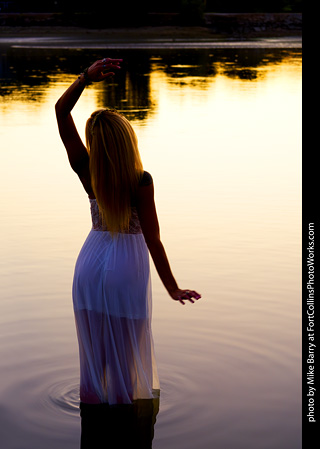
112,306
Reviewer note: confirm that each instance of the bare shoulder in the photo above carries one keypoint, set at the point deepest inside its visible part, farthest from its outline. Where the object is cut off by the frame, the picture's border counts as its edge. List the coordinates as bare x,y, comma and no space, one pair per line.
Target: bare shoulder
145,189
146,179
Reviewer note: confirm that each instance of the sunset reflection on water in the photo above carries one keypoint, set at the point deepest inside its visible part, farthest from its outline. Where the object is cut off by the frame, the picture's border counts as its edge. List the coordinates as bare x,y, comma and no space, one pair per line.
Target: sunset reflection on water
220,132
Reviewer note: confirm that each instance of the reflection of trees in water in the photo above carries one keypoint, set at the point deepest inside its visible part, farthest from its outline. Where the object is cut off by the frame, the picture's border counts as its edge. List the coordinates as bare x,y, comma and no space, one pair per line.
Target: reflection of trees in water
246,64
26,72
119,426
23,74
131,91
201,65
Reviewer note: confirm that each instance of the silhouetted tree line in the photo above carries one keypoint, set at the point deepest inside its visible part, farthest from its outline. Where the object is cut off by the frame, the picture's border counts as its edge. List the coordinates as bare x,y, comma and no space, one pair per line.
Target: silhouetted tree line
108,8
115,13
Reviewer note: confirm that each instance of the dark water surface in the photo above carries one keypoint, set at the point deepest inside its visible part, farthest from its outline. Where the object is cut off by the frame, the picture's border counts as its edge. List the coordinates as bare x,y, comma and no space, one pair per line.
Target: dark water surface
219,128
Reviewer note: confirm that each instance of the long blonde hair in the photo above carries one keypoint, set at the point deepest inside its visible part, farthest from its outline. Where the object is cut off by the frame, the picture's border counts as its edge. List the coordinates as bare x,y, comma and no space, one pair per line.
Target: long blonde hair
115,166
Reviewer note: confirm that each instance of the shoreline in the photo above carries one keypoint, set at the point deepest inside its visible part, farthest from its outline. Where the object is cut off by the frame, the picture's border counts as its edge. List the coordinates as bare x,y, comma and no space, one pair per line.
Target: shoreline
84,37
216,27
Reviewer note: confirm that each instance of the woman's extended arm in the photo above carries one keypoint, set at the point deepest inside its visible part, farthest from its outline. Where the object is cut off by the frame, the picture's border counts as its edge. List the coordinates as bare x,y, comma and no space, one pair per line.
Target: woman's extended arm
150,228
77,153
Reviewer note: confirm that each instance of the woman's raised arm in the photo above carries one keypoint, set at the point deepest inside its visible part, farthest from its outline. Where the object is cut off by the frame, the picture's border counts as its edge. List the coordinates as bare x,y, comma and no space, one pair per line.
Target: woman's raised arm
77,153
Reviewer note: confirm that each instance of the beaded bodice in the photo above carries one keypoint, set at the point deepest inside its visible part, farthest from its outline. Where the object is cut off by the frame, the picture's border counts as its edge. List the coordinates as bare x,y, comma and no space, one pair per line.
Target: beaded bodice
134,226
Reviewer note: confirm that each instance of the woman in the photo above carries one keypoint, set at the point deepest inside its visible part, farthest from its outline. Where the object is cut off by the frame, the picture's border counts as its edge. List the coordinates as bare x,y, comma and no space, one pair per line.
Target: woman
111,287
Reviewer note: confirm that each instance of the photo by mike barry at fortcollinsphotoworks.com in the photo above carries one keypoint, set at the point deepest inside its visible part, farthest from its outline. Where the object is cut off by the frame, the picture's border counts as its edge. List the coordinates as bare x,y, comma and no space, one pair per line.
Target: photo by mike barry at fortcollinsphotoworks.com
309,388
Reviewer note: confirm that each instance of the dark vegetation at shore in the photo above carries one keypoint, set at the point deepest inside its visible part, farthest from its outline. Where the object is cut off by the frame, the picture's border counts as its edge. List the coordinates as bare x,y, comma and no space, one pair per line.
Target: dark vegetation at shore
278,17
154,6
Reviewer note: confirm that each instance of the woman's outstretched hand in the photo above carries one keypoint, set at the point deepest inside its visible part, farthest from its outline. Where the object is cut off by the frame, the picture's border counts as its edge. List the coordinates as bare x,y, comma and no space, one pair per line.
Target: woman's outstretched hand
184,295
102,69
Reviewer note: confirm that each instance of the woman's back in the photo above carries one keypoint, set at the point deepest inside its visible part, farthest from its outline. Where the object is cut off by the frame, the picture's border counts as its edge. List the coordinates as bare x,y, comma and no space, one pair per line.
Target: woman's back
134,224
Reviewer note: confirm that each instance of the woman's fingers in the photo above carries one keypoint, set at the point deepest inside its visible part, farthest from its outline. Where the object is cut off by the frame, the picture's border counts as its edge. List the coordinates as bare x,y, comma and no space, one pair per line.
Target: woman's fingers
103,68
188,295
107,62
112,61
110,66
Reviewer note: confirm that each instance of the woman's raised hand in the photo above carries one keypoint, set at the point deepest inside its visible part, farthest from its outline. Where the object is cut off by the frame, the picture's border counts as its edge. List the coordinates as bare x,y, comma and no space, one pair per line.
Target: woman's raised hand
103,68
184,295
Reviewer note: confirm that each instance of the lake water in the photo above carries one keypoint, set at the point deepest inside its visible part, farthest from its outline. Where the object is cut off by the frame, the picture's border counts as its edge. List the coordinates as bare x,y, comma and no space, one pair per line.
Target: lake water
219,129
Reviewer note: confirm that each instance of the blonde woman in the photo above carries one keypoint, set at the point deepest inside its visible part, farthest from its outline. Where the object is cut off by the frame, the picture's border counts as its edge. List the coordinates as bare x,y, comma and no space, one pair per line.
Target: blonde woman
111,286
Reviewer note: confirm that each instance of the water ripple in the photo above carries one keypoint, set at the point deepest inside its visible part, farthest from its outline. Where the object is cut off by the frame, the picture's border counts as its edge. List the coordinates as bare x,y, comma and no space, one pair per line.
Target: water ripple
64,396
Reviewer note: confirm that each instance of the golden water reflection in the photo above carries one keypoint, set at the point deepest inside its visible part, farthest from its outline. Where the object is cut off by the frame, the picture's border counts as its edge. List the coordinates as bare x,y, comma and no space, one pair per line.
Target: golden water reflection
207,134
220,132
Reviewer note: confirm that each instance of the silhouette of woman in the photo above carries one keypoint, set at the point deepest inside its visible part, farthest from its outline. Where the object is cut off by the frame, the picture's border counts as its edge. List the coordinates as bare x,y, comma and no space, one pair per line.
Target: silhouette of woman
111,286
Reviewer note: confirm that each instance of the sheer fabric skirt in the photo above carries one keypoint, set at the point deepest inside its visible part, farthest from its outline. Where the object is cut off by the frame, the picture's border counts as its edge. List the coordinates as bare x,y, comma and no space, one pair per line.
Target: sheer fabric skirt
112,307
